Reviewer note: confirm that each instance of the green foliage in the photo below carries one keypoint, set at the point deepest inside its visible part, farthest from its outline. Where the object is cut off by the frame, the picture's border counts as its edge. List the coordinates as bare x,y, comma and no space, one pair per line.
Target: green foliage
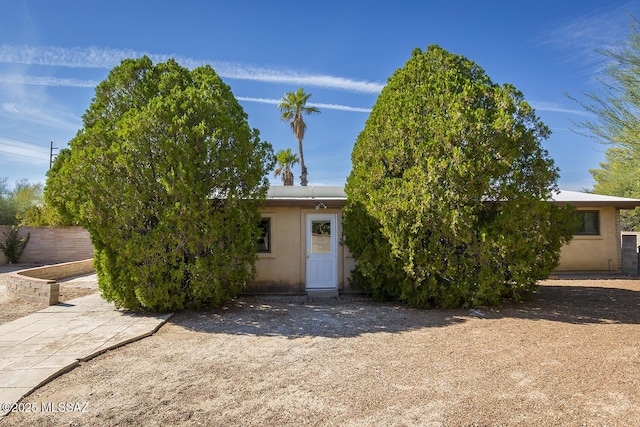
617,107
619,176
44,216
14,245
167,176
285,159
447,199
292,107
617,112
15,203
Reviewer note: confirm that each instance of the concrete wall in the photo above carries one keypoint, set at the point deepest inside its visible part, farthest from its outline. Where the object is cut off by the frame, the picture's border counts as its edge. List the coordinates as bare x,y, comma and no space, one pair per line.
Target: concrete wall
283,270
52,245
600,253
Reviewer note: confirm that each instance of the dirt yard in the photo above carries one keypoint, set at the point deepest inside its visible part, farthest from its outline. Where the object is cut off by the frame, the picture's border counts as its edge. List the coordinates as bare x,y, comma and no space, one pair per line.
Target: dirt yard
571,357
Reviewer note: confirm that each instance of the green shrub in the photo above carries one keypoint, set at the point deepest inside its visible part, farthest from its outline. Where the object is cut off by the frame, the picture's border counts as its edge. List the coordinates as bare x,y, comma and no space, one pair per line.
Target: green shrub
167,177
447,199
14,245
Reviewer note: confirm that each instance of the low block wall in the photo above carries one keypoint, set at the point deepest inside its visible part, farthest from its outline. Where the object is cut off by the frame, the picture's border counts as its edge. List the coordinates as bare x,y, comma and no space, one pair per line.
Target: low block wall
39,291
38,285
59,271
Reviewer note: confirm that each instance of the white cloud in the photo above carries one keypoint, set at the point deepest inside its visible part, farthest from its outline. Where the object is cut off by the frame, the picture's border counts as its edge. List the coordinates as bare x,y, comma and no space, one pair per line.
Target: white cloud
581,39
311,104
42,116
340,107
93,57
556,108
90,57
260,100
236,71
45,81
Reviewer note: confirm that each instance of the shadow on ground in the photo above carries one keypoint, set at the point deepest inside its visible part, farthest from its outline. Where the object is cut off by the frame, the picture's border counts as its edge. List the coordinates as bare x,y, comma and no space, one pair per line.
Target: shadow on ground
577,305
293,317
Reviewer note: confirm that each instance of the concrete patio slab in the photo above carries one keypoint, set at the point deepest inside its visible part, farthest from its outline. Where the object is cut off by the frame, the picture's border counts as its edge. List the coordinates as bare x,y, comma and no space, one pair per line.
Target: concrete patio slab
39,347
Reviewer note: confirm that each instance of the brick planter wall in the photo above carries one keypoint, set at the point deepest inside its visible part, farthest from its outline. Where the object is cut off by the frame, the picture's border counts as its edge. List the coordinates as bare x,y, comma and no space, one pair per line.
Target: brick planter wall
39,291
38,285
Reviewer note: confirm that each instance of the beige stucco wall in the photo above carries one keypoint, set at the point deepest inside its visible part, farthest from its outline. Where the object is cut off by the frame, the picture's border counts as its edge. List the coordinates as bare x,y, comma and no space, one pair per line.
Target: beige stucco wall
595,253
283,270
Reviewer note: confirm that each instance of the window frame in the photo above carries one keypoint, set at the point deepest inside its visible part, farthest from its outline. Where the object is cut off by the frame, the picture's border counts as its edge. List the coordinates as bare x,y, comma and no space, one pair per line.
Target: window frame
264,242
581,230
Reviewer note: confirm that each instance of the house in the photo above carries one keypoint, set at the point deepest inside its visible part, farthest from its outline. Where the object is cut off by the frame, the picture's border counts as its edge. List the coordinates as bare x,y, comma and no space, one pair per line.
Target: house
301,249
597,244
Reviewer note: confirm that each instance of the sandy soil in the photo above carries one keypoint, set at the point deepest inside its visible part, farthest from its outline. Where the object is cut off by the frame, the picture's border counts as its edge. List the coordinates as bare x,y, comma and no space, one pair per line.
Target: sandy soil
571,357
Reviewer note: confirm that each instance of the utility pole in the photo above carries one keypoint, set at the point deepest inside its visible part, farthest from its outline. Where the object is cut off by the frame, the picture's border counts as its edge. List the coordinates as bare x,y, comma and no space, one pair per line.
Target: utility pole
51,154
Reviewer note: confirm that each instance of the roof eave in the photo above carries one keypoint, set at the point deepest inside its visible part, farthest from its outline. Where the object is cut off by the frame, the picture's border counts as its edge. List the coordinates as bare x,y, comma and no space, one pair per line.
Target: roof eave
619,204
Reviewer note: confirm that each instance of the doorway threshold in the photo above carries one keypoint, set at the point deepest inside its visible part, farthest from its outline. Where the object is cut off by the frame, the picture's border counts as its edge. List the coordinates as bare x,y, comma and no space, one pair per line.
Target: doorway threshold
322,294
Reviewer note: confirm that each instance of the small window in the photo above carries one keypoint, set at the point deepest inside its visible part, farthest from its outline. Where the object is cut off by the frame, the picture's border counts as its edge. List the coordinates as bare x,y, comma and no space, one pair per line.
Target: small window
264,241
589,223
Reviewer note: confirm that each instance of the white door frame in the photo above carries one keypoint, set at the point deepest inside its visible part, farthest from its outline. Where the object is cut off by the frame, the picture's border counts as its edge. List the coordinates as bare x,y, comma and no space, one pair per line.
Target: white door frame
322,266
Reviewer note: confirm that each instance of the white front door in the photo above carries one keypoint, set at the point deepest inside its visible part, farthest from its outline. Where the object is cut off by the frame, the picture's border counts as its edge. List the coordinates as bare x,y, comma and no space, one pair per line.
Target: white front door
322,251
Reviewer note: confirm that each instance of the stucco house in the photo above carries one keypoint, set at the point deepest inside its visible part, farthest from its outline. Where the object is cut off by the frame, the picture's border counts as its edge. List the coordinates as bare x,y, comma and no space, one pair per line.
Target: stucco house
301,251
597,244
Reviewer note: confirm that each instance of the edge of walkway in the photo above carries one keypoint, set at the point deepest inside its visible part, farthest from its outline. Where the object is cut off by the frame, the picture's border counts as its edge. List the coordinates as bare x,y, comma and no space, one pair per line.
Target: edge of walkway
38,348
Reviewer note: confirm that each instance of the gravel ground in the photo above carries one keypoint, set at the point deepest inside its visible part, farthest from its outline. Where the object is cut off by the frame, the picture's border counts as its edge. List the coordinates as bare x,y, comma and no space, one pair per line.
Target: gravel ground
568,358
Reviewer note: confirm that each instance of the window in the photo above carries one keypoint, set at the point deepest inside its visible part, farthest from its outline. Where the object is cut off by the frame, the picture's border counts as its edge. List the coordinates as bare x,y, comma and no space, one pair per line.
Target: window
264,241
321,236
589,223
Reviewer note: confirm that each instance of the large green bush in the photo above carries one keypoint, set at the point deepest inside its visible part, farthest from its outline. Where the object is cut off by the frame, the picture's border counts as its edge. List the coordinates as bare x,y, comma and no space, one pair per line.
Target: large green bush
447,198
167,177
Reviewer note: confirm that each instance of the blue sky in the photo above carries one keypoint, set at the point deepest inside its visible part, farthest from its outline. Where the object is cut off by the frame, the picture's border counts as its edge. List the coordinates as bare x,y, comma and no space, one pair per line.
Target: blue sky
53,54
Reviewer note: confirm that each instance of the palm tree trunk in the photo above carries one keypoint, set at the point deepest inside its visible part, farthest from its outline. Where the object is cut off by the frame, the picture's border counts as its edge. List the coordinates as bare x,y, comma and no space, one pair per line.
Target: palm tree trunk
303,176
287,178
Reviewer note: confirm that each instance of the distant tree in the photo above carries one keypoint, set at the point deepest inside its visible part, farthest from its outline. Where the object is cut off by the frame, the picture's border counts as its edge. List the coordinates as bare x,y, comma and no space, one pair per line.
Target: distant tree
15,203
44,216
617,112
7,213
617,107
167,176
285,159
292,107
447,201
619,175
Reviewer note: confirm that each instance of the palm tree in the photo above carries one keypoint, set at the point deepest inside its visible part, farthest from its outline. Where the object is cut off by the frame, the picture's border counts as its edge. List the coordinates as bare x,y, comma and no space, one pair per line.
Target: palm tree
292,106
285,159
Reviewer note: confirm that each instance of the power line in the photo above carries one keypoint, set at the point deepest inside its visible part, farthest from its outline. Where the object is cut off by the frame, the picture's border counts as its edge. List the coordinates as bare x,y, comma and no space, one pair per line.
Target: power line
20,140
33,138
23,155
22,147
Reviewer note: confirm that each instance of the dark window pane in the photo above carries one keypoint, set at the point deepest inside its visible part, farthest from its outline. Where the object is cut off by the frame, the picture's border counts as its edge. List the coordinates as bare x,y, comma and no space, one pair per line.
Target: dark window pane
589,223
264,241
